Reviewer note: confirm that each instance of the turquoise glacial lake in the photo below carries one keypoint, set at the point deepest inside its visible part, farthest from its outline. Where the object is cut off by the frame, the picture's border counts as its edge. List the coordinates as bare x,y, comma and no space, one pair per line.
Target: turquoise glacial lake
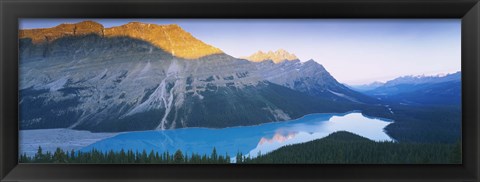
250,140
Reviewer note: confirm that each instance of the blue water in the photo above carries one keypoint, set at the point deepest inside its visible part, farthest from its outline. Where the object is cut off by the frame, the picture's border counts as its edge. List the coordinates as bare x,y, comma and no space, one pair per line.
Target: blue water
250,140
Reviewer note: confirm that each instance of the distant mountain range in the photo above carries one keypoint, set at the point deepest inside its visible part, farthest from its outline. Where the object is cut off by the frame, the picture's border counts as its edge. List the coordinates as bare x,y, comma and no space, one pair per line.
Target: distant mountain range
144,76
439,89
366,87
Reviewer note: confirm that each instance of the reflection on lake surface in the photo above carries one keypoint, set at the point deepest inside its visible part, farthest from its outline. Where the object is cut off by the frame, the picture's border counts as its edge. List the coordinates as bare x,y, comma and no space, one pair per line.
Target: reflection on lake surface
251,140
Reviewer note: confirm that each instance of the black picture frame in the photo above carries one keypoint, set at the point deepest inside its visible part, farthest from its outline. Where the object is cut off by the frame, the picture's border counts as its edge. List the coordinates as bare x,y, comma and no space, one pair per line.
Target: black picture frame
11,10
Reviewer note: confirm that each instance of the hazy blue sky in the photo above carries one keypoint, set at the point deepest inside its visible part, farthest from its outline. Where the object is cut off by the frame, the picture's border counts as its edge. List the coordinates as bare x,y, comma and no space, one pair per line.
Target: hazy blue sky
353,51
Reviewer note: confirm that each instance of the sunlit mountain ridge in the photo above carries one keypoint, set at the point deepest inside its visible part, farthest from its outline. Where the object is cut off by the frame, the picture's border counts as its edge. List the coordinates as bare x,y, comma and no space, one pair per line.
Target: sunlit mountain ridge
277,56
171,38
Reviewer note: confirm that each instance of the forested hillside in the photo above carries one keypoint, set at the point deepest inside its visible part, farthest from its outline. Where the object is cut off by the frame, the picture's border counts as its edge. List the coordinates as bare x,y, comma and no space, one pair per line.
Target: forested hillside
347,148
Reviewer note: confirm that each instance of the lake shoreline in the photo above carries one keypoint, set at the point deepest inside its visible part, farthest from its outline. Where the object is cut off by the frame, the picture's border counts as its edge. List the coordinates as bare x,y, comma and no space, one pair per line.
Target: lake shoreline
264,137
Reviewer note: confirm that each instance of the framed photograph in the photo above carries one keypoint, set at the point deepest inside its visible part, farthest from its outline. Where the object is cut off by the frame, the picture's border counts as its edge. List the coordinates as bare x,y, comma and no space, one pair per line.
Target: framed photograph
240,91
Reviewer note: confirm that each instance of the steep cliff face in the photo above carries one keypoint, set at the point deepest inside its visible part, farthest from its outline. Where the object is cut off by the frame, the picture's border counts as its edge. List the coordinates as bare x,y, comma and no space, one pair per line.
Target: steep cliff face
171,38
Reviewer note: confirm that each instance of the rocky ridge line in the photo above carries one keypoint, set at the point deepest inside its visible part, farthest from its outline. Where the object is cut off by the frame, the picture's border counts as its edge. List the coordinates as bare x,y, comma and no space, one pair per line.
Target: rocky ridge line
171,38
278,56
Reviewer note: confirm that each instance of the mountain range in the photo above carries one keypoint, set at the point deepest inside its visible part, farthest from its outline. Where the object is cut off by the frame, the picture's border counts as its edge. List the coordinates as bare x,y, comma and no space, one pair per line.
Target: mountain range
366,87
144,76
420,89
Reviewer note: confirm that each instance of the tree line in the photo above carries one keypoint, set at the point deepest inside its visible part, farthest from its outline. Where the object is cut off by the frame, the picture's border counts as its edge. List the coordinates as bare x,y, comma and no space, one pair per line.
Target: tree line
123,157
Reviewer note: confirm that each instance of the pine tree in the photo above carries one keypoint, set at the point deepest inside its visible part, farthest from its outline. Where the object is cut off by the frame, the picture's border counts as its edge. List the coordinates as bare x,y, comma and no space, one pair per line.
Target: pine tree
59,156
39,155
151,157
178,157
72,155
214,156
239,157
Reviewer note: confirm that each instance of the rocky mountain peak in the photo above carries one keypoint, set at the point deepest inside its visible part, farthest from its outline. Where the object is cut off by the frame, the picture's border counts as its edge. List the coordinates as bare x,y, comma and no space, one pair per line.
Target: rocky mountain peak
42,35
171,38
277,56
89,24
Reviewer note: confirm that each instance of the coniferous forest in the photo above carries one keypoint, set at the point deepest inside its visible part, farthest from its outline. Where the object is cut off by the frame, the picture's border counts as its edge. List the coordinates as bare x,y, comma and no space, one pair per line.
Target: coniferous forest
124,157
347,148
